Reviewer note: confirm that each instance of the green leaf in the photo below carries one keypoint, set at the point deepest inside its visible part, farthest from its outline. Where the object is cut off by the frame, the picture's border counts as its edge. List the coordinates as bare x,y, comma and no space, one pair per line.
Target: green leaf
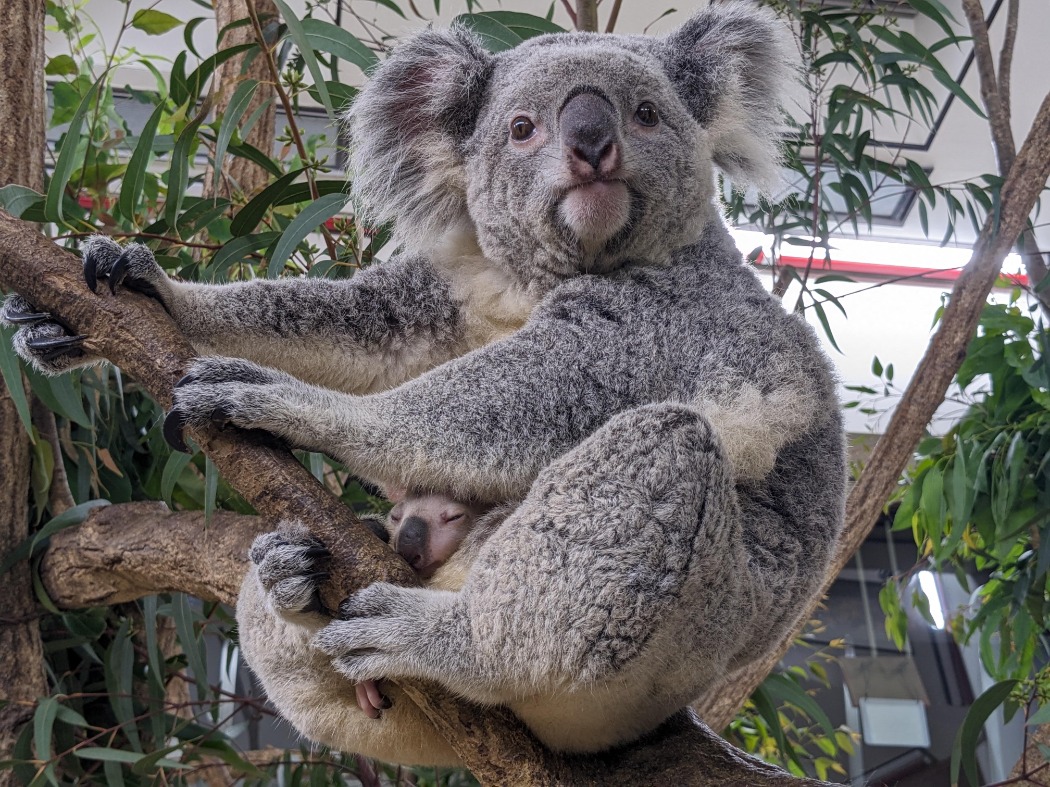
339,42
301,226
135,175
11,370
110,755
964,750
936,11
43,724
67,157
949,82
153,22
1041,716
16,199
248,217
298,34
170,476
524,25
61,65
196,81
62,395
120,664
495,36
342,95
192,646
178,174
783,689
238,105
237,250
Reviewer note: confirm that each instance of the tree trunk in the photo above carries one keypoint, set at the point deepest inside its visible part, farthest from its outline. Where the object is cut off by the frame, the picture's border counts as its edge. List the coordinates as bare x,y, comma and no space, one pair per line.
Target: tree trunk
22,140
239,174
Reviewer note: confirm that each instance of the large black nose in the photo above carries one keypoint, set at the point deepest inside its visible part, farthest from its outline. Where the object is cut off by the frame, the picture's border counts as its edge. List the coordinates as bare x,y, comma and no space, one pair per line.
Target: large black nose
589,130
412,540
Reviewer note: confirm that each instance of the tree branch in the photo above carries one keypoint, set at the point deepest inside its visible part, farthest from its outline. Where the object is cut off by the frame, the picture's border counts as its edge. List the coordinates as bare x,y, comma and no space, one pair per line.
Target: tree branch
587,15
135,333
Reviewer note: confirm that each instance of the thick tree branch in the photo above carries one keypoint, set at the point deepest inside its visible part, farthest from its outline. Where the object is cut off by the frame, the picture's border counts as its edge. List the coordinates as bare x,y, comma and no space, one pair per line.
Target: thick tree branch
124,552
587,15
135,333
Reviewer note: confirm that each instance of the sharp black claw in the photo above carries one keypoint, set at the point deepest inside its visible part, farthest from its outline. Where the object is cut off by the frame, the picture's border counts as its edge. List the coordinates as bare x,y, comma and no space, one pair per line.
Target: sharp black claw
119,270
220,416
186,380
22,317
174,423
58,343
51,355
317,551
90,272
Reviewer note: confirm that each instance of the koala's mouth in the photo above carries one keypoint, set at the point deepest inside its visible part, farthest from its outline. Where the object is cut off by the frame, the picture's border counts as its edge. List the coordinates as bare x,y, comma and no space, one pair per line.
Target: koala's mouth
596,210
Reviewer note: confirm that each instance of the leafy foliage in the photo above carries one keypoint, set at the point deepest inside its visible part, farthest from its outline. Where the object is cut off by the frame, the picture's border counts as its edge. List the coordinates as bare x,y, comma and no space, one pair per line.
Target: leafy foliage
978,504
129,702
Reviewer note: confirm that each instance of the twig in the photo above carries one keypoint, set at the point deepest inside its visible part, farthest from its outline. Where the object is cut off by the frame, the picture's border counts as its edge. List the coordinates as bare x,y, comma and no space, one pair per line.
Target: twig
613,16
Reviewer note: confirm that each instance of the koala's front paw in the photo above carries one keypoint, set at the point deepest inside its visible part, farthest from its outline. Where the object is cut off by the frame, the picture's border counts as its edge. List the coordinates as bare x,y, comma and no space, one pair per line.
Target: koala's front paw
133,265
239,393
290,566
381,635
42,341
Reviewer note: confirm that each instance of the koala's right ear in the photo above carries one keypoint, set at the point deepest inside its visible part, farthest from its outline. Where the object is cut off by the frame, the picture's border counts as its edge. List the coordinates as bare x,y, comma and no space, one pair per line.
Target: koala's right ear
406,128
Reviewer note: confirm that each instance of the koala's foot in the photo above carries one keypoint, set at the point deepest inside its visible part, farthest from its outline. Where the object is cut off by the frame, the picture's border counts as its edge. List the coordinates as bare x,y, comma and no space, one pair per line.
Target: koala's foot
397,632
232,391
290,566
133,265
42,341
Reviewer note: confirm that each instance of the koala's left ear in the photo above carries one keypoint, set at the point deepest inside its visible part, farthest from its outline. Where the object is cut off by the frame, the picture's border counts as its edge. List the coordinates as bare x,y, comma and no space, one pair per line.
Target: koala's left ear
733,64
406,128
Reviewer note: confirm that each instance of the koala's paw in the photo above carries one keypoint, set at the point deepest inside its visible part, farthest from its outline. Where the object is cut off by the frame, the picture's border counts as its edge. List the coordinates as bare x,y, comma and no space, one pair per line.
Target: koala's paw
133,266
381,635
42,341
232,391
290,567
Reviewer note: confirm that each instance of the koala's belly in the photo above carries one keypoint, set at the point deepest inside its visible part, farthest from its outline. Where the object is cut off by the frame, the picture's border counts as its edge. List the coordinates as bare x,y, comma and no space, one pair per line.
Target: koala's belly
595,718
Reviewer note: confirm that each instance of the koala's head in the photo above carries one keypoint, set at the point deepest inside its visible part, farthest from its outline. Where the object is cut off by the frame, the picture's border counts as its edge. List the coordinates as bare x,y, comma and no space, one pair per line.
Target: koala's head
571,153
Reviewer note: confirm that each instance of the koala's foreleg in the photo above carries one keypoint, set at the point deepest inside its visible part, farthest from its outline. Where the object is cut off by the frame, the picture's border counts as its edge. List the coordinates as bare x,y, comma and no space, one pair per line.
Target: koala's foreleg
629,543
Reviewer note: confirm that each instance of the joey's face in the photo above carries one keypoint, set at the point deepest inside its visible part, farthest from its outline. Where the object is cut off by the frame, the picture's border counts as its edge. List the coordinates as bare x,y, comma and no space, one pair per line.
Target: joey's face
584,158
426,530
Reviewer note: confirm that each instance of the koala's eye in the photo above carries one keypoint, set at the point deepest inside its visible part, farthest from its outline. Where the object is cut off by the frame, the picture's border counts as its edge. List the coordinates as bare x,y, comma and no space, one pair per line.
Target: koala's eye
521,128
646,114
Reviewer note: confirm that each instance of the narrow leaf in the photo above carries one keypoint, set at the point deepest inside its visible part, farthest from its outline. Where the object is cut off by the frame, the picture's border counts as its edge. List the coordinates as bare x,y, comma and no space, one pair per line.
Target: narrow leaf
301,226
135,175
239,102
67,157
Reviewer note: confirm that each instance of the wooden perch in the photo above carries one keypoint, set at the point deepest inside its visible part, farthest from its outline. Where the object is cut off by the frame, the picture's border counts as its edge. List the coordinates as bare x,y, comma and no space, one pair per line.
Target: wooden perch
136,334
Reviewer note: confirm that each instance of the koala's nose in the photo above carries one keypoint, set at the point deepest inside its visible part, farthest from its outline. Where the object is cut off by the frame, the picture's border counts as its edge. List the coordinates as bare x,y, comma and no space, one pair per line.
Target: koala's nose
412,541
589,127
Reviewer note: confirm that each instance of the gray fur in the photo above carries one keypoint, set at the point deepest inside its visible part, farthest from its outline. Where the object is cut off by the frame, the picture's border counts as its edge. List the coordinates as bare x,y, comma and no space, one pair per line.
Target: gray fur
674,434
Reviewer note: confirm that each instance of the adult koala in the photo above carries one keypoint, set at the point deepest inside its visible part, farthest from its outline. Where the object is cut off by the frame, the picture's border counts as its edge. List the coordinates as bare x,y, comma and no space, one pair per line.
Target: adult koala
673,433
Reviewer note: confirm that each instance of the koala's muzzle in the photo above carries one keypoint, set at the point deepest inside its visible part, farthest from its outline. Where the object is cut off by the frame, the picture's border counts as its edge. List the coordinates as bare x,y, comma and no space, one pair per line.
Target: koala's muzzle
412,541
590,134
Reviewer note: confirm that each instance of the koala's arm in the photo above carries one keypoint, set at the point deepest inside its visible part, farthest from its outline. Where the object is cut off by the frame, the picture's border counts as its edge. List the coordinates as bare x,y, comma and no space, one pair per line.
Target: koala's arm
384,325
319,702
478,427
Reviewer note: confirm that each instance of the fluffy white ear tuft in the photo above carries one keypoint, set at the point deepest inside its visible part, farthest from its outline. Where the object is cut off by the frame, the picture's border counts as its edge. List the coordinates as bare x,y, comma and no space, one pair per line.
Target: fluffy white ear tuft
406,127
734,66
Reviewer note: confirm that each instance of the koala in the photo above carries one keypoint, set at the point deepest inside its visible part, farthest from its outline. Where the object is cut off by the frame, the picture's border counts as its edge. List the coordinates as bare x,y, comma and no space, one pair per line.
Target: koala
439,538
567,324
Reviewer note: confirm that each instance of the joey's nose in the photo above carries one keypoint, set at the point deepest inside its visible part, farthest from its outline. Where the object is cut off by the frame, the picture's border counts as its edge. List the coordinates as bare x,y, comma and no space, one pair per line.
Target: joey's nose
589,132
412,540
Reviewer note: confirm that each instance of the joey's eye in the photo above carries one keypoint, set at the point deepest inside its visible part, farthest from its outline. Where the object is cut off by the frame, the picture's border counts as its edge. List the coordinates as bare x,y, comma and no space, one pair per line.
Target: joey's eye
646,114
521,128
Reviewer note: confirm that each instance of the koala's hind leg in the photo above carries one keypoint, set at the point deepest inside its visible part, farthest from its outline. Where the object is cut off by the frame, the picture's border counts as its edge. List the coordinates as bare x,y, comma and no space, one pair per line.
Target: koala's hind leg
629,542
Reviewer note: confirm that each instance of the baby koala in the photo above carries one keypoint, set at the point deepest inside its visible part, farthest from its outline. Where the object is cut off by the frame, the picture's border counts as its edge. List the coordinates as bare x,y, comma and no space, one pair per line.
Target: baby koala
439,537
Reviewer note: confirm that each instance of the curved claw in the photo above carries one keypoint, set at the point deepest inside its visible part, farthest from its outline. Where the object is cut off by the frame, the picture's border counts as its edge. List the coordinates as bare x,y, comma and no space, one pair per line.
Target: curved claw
59,343
23,317
90,272
119,271
174,423
186,380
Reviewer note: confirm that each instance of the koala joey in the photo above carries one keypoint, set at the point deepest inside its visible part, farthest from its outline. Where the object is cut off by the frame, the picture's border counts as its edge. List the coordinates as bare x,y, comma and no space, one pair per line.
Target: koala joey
439,538
567,324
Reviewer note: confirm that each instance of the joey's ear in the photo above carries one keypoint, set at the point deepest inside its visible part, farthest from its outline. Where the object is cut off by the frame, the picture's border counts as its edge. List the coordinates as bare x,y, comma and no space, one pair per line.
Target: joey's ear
406,128
733,65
